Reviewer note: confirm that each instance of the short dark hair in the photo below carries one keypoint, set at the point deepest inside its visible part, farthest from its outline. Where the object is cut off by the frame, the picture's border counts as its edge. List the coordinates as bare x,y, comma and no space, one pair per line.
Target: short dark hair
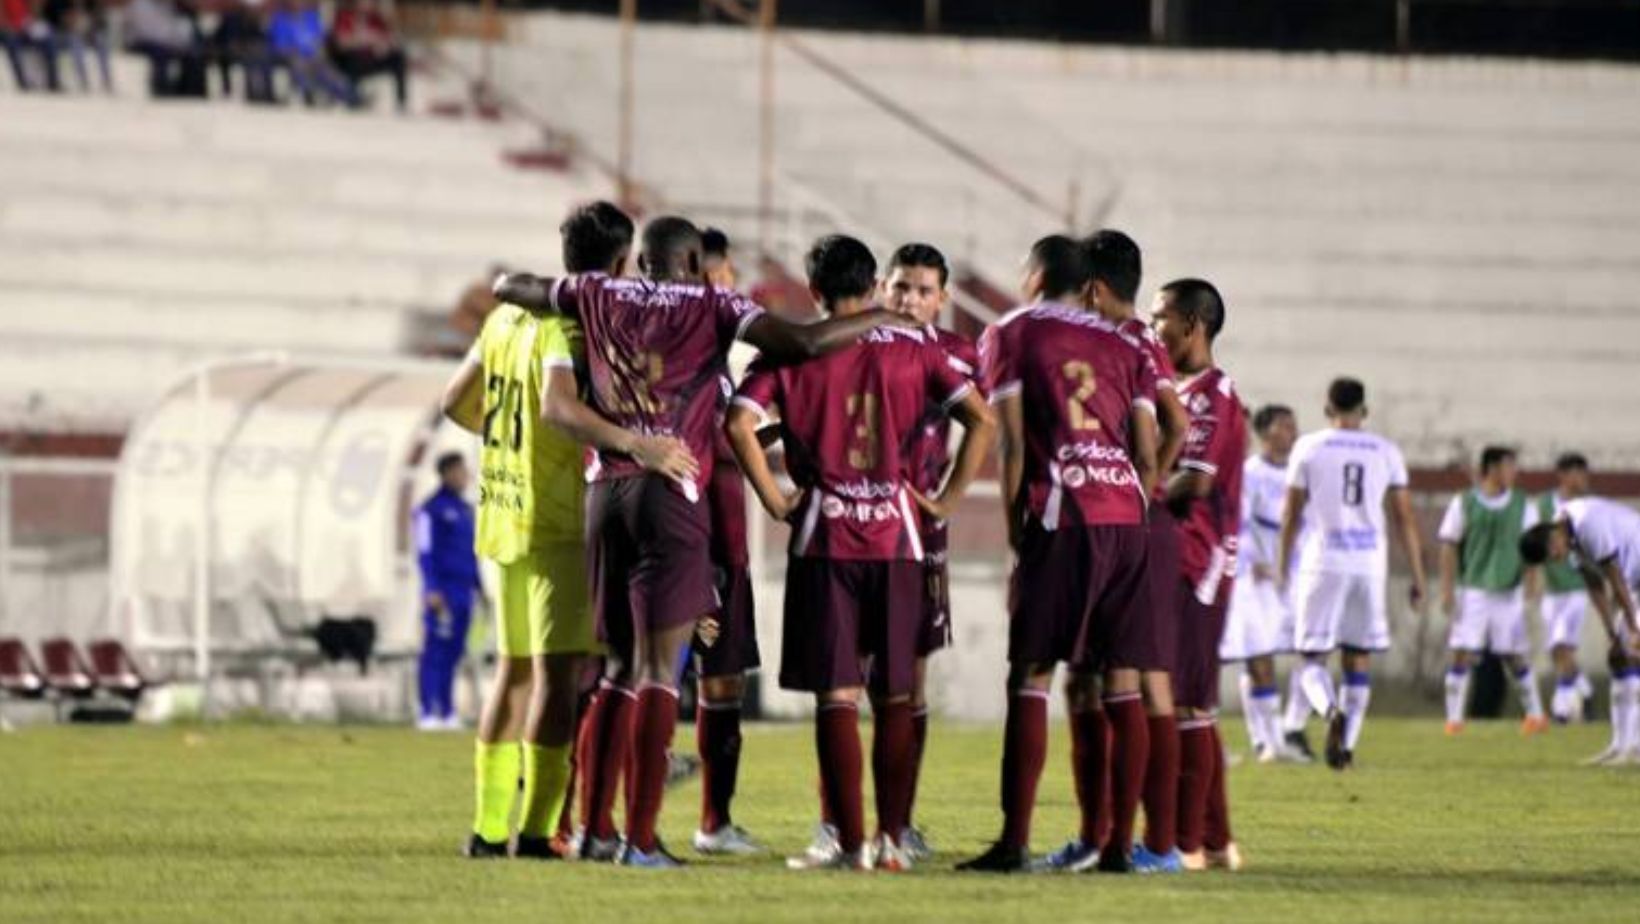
1267,415
1115,260
1198,302
1571,462
924,255
595,235
1346,394
1064,265
714,243
669,243
1534,544
1494,456
840,267
448,461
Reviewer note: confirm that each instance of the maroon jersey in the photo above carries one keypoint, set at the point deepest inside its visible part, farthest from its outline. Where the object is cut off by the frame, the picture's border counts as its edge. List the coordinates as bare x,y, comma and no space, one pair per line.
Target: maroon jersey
846,420
1079,380
655,354
726,499
1166,377
928,451
1216,445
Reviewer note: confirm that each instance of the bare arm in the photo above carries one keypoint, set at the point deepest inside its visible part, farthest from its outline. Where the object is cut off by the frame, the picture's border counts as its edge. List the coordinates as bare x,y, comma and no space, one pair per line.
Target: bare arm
1292,514
741,428
1624,597
1011,414
562,407
463,401
979,427
1174,421
1142,430
526,291
782,341
1401,504
1449,577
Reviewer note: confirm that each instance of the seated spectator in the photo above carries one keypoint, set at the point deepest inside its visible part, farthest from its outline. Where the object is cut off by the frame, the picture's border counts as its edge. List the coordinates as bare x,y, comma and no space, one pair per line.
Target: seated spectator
297,35
167,34
79,27
362,45
241,38
22,32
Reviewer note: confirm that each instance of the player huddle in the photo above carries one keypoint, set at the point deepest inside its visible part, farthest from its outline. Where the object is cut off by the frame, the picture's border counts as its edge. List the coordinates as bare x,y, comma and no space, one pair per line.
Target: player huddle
1122,448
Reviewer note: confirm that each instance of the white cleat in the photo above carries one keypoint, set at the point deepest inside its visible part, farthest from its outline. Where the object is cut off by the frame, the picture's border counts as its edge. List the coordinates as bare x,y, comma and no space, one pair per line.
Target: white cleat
1228,859
822,851
1611,756
1285,754
889,856
849,861
727,841
914,842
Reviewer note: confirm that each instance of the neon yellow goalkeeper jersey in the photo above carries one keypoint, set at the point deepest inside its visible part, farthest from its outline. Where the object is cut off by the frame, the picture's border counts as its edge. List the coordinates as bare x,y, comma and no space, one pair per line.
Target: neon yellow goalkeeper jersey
530,476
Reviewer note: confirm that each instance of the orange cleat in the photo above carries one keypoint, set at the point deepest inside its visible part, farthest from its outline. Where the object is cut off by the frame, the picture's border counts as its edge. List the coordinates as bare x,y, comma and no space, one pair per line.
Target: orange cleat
1533,725
1454,729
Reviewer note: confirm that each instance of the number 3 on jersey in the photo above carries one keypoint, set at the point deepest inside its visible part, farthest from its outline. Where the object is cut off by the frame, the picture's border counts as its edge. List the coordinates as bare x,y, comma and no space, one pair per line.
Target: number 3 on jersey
504,398
1080,372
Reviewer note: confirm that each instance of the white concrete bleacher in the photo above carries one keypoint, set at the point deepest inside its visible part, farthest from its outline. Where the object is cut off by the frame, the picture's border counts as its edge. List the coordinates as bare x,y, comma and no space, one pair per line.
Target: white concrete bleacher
138,237
1462,234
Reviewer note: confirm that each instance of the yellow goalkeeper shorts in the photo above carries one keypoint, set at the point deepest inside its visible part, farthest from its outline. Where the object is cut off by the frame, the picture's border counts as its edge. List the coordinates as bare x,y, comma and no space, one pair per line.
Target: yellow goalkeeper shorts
541,603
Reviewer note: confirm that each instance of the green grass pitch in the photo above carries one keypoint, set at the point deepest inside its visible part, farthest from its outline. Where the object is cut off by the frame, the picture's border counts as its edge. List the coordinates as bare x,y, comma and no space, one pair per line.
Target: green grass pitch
277,823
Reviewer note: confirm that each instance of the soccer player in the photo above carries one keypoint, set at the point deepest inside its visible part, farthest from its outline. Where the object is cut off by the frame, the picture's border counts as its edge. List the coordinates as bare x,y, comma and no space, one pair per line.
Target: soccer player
529,526
1602,538
656,351
918,275
1116,268
1205,494
1339,479
1260,622
1076,401
1481,577
856,577
1565,600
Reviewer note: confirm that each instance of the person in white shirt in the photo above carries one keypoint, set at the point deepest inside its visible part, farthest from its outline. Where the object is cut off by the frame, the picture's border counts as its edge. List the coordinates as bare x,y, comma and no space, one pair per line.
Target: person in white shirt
1338,480
1564,600
1602,538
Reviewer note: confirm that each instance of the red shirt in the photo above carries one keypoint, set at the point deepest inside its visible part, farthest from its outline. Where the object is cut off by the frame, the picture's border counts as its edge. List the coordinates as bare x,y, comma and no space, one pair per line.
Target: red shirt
1079,380
1217,446
847,419
1166,377
367,29
656,353
928,452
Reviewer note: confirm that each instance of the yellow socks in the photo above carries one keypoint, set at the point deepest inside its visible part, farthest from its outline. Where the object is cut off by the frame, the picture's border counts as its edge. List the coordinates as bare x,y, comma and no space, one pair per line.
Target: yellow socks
546,784
495,783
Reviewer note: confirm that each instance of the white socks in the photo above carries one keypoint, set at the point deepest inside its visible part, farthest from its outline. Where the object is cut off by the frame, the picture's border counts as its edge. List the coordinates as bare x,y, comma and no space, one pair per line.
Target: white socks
1318,686
1357,695
1531,699
1457,694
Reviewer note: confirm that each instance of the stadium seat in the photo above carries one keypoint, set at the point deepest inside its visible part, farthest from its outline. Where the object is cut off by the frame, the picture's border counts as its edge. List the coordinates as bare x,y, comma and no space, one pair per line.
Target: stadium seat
20,677
115,672
67,674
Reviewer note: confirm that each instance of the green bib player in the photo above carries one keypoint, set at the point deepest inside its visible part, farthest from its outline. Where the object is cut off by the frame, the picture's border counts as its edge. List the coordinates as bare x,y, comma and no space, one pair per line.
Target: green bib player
1481,585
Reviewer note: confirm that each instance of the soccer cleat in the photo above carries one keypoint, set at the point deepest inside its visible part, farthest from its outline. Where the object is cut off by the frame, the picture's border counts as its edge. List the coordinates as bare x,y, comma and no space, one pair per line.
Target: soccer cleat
680,768
889,856
1077,856
1454,729
649,859
1145,861
536,848
729,840
1228,859
596,849
914,842
1337,757
477,848
823,850
1287,754
1193,861
845,860
1533,725
998,858
1114,861
1300,742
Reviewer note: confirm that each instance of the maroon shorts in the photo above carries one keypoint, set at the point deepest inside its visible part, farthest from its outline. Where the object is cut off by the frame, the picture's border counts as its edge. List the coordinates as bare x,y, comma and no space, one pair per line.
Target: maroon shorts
1078,595
850,624
647,559
735,650
1161,610
936,614
1201,626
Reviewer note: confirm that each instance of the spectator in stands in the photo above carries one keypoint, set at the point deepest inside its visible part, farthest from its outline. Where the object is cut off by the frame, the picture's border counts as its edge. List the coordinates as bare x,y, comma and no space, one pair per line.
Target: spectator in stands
241,38
362,45
23,32
79,28
296,32
475,305
449,581
166,32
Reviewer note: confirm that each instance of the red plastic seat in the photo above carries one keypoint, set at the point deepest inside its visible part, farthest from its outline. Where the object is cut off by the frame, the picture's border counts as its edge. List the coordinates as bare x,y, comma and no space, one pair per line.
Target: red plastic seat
113,669
66,673
20,677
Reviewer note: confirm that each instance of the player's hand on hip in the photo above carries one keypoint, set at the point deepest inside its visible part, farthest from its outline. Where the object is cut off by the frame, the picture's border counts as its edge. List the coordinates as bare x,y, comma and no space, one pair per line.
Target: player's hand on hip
668,456
787,505
933,506
707,629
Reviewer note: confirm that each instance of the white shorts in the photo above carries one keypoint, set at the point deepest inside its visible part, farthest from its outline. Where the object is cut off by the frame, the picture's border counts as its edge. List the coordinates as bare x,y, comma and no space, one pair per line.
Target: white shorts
1563,616
1260,623
1335,610
1489,620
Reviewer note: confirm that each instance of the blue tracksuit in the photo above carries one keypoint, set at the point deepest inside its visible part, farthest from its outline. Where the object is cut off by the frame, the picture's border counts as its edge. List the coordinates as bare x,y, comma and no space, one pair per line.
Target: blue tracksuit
444,550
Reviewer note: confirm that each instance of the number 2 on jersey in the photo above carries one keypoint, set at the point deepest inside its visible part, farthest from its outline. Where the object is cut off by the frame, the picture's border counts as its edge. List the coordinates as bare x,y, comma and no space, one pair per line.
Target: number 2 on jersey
1081,372
504,397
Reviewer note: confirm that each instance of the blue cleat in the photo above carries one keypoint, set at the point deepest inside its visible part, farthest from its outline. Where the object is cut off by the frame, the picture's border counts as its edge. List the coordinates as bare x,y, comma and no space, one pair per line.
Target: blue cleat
1144,861
1077,856
653,859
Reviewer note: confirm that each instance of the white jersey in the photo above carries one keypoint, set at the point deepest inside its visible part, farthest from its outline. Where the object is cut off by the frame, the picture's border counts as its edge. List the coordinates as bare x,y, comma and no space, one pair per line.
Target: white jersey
1263,496
1346,473
1604,530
